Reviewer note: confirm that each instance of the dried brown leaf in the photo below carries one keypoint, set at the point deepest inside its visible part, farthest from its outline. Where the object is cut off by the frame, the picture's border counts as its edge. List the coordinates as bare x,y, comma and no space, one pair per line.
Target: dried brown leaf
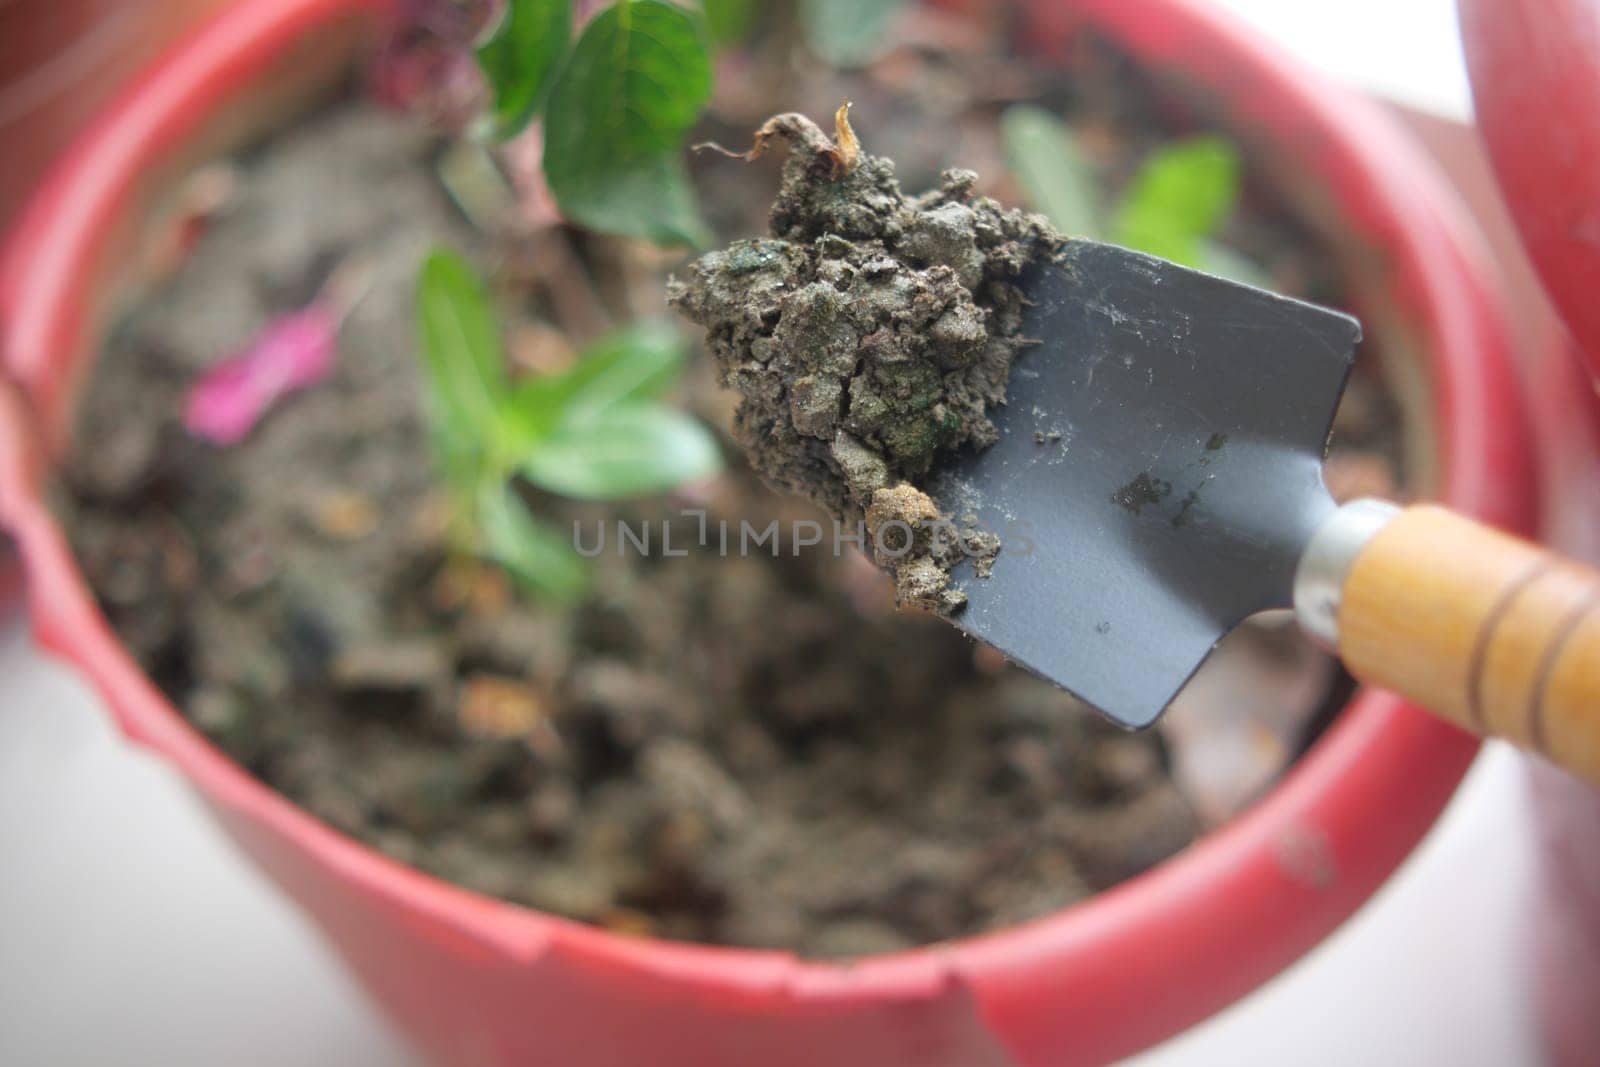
801,133
848,152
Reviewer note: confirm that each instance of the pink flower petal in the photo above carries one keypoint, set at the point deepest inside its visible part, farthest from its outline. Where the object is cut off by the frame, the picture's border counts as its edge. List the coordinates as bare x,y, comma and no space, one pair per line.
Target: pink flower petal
294,351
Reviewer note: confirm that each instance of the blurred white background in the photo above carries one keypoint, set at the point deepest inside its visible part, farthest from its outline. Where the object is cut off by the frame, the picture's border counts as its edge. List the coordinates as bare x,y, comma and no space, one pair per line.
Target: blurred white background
1404,50
131,934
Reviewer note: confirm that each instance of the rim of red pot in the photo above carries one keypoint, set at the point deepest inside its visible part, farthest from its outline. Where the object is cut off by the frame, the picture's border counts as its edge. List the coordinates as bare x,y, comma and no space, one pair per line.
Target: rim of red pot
1541,57
1147,958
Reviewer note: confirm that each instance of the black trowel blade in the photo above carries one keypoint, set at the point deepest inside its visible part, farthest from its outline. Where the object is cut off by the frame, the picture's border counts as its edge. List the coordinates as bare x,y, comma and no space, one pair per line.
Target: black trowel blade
1158,473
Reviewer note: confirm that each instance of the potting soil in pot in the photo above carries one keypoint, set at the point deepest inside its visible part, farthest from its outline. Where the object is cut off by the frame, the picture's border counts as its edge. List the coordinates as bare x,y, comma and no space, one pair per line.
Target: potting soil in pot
752,748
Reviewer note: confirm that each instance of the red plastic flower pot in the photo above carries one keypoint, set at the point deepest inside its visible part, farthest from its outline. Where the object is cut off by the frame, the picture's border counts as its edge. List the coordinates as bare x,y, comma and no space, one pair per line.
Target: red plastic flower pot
1542,58
59,59
1566,923
481,982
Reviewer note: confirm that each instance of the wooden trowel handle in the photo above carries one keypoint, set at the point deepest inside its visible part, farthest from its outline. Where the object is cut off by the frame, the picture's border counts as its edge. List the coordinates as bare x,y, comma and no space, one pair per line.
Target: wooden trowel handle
1494,634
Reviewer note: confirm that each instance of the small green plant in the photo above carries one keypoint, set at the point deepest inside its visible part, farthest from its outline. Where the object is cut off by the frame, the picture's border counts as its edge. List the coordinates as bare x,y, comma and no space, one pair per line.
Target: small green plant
595,431
618,100
617,105
1182,195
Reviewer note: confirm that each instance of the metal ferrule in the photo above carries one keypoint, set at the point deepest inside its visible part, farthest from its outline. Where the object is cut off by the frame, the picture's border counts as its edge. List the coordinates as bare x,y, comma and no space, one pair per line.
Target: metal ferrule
1325,564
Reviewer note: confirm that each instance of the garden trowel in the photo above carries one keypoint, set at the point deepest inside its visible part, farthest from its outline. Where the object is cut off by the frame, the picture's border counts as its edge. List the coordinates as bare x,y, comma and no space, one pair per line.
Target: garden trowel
1158,478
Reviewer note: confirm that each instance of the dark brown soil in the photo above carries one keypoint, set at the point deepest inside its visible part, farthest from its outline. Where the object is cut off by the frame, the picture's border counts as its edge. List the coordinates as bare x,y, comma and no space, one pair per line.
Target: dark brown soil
753,750
870,335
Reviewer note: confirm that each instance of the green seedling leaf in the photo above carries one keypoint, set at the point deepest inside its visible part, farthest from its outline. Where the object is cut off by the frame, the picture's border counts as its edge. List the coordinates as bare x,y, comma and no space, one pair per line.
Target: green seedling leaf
532,552
631,450
1181,196
617,117
462,462
1055,176
637,363
461,350
651,200
521,58
631,365
848,33
727,21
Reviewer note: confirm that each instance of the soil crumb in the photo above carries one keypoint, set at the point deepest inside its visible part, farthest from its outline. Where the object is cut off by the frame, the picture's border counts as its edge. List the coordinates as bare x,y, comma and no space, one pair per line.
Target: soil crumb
869,336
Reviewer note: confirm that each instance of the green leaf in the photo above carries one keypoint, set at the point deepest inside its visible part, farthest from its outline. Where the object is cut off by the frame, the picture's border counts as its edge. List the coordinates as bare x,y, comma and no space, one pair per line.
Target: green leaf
632,450
618,114
520,59
729,20
637,363
631,365
535,554
848,33
650,200
1054,174
1180,197
462,459
466,379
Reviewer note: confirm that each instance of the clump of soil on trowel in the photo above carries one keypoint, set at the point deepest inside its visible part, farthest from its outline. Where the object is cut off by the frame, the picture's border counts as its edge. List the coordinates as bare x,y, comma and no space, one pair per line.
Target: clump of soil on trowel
868,337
